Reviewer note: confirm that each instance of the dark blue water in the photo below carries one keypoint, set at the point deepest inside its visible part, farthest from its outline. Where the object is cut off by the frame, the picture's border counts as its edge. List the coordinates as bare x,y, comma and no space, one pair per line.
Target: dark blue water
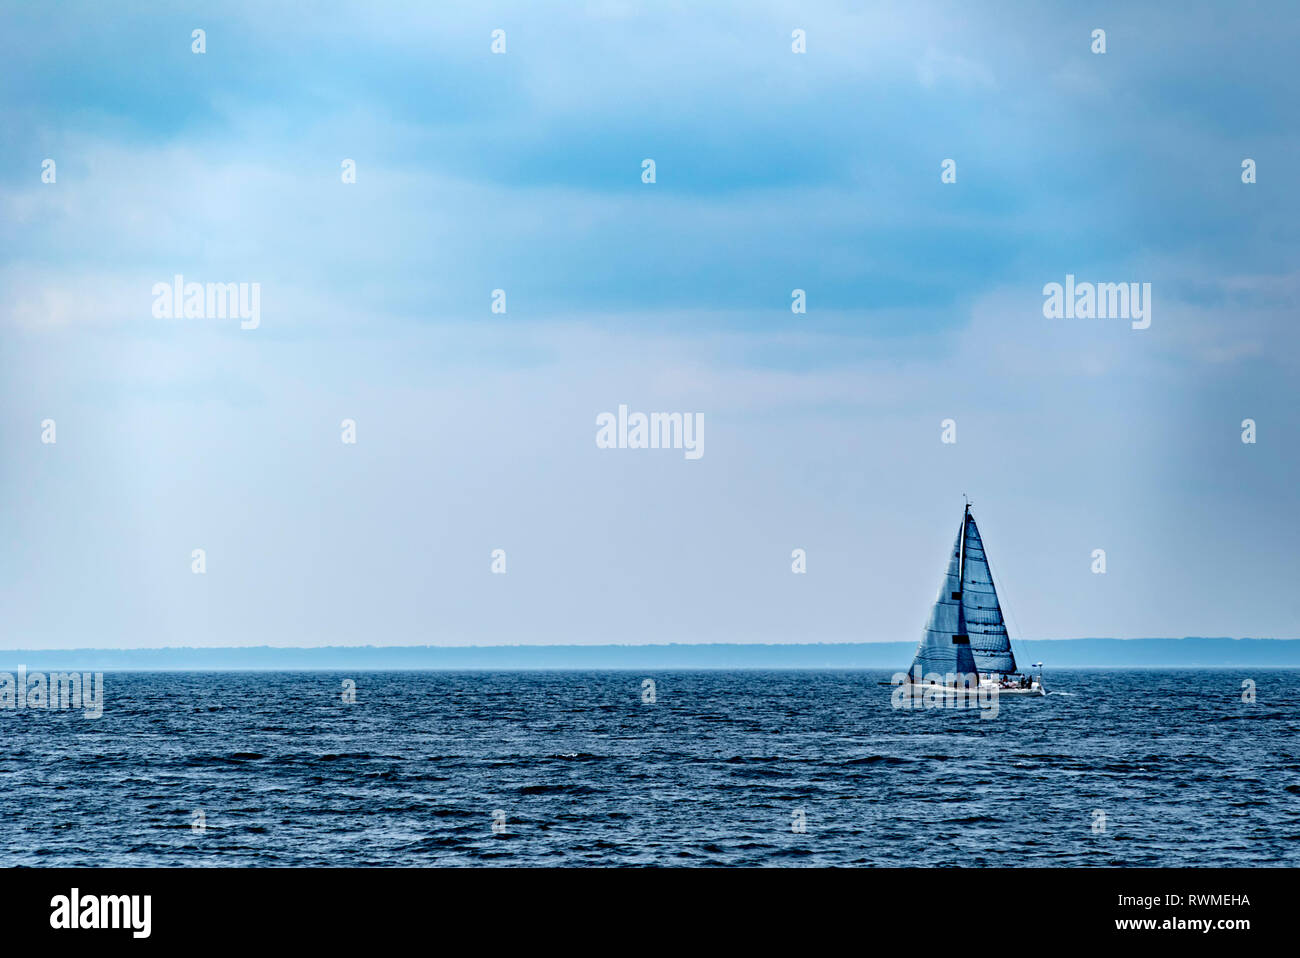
713,773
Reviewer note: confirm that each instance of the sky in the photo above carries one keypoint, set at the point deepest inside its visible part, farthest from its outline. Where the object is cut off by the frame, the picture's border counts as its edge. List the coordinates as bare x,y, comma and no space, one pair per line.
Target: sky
522,171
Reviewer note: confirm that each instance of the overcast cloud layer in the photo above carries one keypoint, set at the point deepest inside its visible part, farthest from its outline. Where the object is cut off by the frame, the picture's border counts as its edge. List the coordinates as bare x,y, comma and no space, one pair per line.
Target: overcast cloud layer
522,171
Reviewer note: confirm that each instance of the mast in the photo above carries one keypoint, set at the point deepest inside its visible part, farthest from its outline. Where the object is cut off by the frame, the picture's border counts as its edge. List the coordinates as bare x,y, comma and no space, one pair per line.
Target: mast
962,635
961,574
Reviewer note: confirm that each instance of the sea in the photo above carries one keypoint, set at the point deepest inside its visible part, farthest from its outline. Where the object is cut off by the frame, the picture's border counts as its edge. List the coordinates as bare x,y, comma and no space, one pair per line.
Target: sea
620,768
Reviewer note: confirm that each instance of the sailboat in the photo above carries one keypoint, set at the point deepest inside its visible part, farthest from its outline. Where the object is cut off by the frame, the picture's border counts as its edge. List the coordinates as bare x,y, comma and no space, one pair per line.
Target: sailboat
965,642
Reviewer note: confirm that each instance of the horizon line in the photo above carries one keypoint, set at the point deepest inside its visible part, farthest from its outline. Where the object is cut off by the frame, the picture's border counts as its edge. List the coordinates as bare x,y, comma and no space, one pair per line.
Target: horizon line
624,645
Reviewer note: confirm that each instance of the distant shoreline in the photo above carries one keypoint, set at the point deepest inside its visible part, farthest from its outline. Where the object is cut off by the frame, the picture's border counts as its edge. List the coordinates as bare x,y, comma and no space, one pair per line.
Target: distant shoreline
1185,653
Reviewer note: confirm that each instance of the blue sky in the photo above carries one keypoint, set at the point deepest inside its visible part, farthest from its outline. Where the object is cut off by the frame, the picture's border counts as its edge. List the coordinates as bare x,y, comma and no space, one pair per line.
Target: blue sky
522,171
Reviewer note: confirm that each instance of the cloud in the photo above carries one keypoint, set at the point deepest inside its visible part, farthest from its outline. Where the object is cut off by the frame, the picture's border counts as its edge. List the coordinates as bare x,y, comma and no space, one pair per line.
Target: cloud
776,171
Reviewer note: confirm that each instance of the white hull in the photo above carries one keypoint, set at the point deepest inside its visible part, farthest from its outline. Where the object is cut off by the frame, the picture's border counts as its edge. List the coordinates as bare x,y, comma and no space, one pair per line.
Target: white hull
1035,689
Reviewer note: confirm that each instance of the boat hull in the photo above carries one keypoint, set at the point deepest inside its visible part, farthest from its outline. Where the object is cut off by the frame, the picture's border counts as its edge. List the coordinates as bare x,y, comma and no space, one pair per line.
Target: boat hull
1035,691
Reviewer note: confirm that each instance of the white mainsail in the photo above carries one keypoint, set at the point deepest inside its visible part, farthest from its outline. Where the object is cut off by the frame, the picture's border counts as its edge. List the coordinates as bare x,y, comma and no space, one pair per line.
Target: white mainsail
945,648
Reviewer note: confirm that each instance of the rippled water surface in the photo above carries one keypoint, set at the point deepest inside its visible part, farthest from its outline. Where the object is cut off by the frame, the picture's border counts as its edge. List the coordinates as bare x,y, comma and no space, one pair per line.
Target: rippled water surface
712,773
